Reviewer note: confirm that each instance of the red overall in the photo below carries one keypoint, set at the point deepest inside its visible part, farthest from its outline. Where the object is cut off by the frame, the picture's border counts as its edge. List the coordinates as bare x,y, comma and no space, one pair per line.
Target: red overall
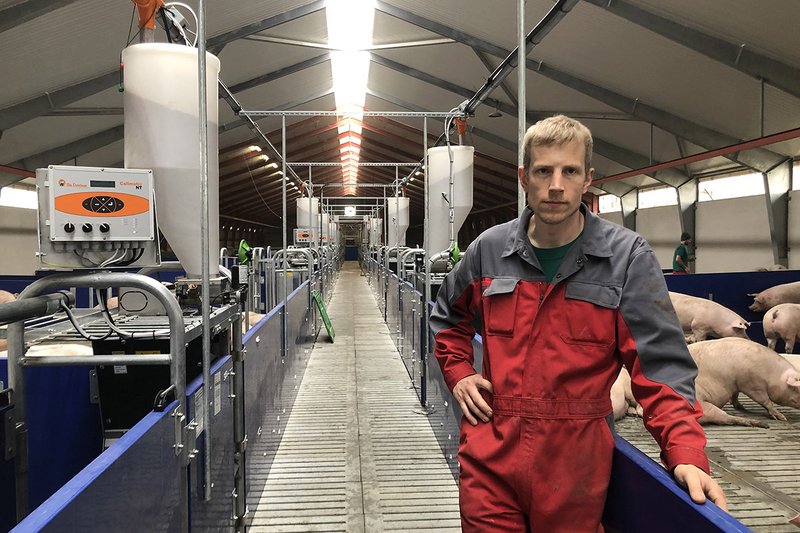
552,351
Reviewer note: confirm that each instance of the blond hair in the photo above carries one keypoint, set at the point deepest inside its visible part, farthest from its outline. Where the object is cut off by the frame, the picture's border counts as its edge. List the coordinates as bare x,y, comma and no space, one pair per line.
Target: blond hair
556,130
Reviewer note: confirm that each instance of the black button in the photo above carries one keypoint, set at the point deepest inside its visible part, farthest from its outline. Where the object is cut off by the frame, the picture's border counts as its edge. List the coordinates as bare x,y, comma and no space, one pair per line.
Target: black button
69,227
105,228
87,228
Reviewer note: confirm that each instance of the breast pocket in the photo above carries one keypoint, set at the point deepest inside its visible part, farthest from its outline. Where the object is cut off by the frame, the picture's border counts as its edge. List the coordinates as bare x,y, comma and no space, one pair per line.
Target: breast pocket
501,306
591,314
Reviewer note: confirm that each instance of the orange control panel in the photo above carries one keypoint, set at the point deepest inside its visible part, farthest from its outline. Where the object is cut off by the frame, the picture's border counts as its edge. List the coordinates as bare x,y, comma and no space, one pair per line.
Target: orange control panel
93,204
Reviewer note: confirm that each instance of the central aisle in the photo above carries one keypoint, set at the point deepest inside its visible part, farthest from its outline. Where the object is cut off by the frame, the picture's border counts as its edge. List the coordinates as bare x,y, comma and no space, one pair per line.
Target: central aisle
355,456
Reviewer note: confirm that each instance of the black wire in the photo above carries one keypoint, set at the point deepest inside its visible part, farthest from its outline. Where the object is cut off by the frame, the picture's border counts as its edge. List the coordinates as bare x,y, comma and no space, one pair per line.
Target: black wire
140,28
129,262
166,24
130,27
79,329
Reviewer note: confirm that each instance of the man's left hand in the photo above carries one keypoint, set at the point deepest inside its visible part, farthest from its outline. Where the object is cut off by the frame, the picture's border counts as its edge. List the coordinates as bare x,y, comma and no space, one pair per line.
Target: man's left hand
699,485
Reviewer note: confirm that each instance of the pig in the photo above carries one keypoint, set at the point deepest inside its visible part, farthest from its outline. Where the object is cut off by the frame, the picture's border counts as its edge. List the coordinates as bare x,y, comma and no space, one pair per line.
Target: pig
770,268
82,348
6,297
622,400
254,319
701,318
782,322
788,293
726,367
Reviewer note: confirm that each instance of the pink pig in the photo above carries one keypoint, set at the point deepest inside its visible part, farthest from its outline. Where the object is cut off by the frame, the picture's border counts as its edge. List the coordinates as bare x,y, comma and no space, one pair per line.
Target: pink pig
726,367
782,322
701,318
788,293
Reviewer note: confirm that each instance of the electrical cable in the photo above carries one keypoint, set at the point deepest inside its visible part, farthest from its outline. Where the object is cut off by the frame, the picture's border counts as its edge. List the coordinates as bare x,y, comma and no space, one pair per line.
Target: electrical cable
79,329
122,333
250,173
179,27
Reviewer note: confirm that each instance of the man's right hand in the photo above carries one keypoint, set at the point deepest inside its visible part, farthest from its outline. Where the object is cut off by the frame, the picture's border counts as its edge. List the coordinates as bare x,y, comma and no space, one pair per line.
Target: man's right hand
467,394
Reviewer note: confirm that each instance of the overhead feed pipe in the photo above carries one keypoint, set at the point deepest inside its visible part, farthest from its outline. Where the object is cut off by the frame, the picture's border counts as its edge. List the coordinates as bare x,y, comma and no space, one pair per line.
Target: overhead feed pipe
534,37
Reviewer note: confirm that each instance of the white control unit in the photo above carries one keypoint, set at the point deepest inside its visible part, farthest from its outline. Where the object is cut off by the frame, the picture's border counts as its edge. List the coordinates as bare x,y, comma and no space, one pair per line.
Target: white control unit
96,218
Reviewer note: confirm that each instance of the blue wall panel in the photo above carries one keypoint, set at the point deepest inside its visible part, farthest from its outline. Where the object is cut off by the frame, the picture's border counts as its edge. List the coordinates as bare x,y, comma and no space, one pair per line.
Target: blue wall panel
58,410
643,497
133,485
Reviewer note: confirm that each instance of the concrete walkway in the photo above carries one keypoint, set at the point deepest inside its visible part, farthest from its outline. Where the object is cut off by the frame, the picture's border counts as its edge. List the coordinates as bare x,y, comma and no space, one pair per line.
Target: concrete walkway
355,457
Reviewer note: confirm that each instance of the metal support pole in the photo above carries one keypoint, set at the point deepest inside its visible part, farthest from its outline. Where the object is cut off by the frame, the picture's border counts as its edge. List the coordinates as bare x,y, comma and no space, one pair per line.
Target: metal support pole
239,436
285,259
521,92
423,389
208,398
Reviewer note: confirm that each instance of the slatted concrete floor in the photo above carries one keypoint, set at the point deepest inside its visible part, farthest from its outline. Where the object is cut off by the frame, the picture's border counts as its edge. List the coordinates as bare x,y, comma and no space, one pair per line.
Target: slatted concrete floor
759,469
355,456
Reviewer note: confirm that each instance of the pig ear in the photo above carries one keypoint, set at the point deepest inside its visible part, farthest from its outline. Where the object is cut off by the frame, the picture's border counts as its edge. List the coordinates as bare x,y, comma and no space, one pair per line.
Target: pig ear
793,380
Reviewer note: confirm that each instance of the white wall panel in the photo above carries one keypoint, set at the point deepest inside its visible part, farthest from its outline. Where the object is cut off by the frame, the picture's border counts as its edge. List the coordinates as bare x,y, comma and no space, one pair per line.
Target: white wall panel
615,217
733,235
662,229
18,235
794,228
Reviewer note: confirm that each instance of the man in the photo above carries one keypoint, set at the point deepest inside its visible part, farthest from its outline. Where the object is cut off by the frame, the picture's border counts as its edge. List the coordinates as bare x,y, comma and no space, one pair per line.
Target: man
565,298
680,260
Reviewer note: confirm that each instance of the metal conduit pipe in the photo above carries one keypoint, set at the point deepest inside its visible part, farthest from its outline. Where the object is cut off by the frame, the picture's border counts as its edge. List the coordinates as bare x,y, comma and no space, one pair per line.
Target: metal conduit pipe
401,263
46,304
548,22
16,358
534,37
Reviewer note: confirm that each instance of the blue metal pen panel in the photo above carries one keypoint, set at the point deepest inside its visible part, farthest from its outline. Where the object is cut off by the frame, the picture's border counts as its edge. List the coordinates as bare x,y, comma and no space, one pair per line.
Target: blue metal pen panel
134,485
215,514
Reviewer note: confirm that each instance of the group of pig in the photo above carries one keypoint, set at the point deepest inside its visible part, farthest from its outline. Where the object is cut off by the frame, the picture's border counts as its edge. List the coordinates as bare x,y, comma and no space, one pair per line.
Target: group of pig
731,363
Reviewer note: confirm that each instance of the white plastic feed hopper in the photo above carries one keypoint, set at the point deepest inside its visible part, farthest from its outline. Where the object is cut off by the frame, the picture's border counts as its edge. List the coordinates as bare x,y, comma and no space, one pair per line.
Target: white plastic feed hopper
307,212
439,181
397,215
162,133
376,232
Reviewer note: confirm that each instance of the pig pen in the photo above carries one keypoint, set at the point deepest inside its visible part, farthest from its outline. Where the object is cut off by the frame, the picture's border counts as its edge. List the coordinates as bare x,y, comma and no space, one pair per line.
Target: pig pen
759,469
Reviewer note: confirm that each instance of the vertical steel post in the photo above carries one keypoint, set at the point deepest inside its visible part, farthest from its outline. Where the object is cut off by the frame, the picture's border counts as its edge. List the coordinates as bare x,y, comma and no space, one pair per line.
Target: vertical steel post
204,251
423,371
239,436
285,256
521,91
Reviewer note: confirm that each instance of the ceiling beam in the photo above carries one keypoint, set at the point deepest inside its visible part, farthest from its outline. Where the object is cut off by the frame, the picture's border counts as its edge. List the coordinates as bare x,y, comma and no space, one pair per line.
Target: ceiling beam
602,147
23,12
280,73
71,150
734,55
24,111
702,136
218,42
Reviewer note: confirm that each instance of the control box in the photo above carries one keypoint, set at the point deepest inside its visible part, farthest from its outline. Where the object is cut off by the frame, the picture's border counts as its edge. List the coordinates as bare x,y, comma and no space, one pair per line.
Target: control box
302,237
92,217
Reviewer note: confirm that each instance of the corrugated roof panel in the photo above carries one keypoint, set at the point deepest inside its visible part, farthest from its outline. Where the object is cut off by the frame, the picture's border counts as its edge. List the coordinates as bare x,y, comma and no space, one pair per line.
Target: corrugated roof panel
768,27
656,70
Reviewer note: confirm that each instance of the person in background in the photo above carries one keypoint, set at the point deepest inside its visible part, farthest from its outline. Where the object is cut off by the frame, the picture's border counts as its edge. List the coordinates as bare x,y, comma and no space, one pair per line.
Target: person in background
565,299
680,259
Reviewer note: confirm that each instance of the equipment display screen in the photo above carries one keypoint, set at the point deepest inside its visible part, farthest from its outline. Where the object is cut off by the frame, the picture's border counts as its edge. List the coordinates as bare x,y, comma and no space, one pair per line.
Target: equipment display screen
99,183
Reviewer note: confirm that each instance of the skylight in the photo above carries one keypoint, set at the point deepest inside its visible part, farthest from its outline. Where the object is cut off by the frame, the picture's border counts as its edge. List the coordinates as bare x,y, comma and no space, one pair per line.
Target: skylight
349,36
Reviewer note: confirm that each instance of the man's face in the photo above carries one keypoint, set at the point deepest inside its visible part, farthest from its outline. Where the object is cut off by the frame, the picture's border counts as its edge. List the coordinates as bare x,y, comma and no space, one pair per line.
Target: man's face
555,181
